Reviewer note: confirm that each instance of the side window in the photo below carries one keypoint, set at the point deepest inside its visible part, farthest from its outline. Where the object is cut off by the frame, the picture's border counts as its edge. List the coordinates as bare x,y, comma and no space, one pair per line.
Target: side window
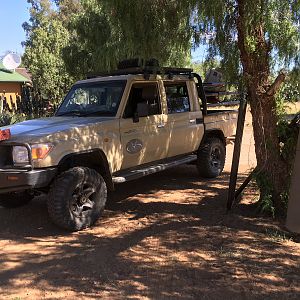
143,101
177,97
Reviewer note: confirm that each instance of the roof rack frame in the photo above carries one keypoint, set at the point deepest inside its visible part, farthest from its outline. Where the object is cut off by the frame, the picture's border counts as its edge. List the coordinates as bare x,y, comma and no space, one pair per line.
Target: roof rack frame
146,71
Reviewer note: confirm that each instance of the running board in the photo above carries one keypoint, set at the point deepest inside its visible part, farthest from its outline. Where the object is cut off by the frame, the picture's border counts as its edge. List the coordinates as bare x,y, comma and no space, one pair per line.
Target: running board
137,173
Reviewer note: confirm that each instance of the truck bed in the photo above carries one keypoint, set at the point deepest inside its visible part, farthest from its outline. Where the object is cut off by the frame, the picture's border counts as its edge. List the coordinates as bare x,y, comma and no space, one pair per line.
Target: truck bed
221,119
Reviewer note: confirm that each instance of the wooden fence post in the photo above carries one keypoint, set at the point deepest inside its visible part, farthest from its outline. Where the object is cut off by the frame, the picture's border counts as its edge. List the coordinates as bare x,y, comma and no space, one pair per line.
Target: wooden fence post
293,213
236,152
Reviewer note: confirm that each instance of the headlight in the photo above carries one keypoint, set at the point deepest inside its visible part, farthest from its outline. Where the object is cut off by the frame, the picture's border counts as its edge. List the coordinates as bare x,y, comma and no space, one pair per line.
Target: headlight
40,151
20,155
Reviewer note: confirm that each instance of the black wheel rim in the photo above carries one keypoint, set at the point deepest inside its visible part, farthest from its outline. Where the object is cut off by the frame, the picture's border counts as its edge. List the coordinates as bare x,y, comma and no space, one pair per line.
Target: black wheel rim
83,200
215,158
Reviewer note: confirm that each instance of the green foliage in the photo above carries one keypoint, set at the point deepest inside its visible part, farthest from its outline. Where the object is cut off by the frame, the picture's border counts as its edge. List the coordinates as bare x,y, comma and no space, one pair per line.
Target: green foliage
78,37
279,23
218,18
281,19
287,131
288,150
288,136
104,32
9,118
161,31
288,93
203,67
47,36
93,35
27,106
266,204
278,236
4,119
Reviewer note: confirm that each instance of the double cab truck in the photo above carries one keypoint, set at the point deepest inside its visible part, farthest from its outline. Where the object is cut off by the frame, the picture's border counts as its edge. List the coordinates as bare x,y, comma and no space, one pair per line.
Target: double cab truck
108,130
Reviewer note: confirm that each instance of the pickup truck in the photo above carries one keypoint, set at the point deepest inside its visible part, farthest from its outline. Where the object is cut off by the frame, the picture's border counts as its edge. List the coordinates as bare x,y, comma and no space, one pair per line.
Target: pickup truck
110,129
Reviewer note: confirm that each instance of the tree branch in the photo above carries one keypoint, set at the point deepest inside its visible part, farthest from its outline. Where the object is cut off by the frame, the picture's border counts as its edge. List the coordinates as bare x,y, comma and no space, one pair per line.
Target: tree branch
276,84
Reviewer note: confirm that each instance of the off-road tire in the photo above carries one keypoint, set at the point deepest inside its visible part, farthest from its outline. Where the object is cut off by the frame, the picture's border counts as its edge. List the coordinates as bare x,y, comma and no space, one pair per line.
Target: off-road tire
16,199
211,157
77,198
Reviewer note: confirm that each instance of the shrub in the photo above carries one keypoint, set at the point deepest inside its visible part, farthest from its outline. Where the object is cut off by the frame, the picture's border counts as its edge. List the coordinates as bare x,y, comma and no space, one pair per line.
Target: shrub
11,118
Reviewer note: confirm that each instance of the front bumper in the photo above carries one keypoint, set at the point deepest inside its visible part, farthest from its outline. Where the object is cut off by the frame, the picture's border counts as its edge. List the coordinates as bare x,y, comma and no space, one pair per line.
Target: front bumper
12,180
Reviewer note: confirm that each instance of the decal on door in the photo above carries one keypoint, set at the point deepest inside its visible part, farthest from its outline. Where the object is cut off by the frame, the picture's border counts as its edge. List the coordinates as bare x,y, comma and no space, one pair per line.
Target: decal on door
134,146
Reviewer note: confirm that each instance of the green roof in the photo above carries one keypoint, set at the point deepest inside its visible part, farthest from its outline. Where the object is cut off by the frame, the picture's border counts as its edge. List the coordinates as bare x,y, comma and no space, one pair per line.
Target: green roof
10,76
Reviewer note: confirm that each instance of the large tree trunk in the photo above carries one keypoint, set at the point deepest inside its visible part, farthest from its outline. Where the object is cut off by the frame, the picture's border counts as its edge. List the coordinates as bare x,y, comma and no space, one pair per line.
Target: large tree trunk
261,95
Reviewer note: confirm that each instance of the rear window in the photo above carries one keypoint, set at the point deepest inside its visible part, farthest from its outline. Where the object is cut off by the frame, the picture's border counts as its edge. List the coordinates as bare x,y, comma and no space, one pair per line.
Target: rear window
177,97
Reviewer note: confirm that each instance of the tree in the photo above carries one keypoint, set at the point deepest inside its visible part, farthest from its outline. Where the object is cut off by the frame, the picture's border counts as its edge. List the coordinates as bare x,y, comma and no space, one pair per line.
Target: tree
107,31
46,37
259,32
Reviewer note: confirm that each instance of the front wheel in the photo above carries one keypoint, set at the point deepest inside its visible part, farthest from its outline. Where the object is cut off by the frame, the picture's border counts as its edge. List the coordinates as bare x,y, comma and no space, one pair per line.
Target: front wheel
211,157
16,199
77,198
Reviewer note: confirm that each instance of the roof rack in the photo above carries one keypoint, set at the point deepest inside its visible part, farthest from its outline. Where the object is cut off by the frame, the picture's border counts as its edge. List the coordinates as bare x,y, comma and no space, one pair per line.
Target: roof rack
146,71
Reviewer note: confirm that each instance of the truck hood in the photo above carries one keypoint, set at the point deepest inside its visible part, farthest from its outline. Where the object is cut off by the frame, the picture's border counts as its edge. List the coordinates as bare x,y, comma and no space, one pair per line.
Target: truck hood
48,126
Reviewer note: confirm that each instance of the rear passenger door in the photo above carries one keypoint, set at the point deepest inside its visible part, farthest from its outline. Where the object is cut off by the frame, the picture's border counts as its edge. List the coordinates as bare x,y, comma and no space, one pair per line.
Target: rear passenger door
183,120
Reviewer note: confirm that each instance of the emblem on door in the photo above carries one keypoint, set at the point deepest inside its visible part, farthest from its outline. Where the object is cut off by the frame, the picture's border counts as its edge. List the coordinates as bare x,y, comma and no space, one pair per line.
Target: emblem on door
134,146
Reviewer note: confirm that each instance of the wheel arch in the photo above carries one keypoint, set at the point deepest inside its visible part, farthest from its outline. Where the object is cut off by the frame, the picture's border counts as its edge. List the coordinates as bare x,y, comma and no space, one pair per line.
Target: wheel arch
94,159
214,133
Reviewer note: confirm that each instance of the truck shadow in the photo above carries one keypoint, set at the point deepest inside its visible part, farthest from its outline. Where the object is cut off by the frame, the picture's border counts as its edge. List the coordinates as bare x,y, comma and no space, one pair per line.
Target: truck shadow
33,220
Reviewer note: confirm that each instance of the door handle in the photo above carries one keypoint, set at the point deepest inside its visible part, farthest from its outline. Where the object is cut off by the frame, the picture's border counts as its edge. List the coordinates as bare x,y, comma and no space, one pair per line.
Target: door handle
130,131
160,125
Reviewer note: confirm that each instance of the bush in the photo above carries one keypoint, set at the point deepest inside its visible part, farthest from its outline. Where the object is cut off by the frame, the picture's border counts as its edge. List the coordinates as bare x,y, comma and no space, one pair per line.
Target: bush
9,118
5,120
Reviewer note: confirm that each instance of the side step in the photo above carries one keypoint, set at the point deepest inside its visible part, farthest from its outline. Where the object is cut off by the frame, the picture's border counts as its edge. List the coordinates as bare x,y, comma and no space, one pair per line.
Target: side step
143,171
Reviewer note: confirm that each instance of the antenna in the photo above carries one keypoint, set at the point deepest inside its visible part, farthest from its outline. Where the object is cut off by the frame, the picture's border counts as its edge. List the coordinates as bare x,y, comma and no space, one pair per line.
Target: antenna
11,61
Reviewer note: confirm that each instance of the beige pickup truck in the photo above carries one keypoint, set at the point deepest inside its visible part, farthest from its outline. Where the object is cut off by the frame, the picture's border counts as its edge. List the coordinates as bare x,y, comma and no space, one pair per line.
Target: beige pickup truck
108,130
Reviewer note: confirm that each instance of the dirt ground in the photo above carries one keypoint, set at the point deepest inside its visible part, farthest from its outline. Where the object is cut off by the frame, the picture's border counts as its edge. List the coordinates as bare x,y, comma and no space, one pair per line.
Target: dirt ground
165,236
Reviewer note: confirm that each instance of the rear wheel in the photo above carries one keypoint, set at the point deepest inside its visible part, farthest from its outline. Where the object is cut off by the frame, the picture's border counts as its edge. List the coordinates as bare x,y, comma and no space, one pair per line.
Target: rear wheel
211,157
16,199
77,198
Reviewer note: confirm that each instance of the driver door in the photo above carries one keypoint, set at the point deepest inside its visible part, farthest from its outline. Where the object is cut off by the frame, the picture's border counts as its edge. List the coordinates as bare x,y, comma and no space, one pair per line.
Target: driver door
143,135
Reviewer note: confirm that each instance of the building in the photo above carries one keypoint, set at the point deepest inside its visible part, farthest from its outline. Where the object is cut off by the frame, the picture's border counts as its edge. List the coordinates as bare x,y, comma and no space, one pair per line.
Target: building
11,83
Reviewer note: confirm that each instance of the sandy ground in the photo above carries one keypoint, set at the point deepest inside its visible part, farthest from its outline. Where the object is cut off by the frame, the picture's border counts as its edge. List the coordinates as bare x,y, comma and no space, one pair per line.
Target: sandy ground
165,236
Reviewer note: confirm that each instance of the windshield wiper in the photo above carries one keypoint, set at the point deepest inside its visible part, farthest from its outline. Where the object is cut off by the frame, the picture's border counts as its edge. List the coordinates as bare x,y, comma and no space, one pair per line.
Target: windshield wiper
72,113
99,112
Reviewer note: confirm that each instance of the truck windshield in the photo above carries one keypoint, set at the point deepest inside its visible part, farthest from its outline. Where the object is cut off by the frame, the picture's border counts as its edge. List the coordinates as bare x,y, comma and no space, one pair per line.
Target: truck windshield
97,98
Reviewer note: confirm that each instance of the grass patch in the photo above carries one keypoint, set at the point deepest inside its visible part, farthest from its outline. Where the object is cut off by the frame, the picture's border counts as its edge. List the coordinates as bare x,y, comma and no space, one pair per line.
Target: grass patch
278,236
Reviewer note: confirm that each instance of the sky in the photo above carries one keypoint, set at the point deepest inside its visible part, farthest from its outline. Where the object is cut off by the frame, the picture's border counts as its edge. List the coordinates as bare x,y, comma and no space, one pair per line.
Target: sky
13,13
